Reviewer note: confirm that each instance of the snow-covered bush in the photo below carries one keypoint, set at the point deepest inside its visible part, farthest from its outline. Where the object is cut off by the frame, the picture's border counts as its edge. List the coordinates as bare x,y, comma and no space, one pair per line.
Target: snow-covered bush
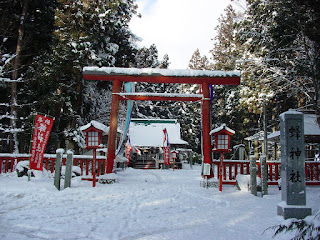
243,182
306,229
196,158
75,171
22,169
76,136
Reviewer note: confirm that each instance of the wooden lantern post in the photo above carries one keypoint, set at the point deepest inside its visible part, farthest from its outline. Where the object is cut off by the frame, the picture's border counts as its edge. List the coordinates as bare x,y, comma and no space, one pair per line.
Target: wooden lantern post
221,145
174,155
93,140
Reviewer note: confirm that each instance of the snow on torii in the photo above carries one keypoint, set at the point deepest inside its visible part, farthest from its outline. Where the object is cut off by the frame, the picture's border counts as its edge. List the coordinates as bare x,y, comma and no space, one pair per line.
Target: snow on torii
154,75
157,75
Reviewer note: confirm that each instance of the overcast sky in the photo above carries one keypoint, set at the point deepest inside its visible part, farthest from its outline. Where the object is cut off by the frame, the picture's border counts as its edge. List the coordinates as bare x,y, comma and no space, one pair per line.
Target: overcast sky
178,27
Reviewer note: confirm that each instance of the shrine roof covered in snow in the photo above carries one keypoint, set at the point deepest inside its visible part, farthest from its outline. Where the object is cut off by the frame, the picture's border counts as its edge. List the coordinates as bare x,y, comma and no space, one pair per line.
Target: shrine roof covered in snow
149,132
97,125
222,127
156,75
311,129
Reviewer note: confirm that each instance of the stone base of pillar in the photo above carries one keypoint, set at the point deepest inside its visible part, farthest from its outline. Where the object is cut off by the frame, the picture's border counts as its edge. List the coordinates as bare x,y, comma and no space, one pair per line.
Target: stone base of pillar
293,211
209,183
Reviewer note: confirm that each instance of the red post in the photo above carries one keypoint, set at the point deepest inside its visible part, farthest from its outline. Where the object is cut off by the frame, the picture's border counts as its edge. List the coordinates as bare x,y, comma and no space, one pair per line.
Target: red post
98,170
6,166
87,167
94,167
222,171
317,172
277,172
52,165
271,172
113,126
12,164
206,139
81,166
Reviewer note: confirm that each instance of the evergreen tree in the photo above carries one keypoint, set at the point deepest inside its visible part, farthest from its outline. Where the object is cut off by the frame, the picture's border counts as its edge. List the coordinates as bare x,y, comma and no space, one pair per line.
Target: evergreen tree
165,62
184,112
148,58
198,62
280,31
191,115
229,104
226,52
25,31
87,33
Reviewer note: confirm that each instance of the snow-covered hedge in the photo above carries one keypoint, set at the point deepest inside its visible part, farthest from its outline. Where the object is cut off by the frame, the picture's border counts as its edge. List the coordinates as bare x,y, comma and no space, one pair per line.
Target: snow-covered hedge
22,169
243,182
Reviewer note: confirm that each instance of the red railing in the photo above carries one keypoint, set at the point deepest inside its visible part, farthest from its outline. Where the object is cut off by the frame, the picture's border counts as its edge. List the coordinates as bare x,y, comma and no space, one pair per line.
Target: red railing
231,168
8,161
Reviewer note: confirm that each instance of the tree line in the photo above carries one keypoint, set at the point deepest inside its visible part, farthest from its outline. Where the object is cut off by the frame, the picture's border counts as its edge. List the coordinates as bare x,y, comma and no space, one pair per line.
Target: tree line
275,45
45,44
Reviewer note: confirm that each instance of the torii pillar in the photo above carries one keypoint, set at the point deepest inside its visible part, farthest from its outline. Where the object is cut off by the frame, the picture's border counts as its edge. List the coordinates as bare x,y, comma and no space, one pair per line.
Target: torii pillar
206,138
119,75
111,154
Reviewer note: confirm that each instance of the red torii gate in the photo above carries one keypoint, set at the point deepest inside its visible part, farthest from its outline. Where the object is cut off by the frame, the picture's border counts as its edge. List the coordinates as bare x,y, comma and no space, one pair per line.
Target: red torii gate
119,75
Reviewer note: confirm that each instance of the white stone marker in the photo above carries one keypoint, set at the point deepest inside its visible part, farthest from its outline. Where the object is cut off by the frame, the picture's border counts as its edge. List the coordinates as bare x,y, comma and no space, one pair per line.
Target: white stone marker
68,172
57,168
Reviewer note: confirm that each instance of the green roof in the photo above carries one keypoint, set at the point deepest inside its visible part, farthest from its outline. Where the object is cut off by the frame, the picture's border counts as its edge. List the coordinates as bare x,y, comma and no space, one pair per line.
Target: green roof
150,121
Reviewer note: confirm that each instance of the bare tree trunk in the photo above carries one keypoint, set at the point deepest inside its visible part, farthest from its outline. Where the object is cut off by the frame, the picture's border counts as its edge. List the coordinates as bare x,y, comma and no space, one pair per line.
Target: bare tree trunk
16,65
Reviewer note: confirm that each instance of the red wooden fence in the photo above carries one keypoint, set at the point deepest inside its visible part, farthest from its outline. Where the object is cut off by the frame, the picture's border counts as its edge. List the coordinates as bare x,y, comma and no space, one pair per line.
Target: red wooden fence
230,169
8,161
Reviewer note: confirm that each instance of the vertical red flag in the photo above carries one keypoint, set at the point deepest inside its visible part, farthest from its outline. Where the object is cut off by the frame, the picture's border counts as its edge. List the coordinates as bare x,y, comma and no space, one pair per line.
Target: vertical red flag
166,155
166,148
128,152
41,131
166,138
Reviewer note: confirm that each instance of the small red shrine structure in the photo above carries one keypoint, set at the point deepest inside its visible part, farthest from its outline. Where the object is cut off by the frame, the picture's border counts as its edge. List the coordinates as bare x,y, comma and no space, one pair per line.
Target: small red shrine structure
203,77
221,145
93,136
222,138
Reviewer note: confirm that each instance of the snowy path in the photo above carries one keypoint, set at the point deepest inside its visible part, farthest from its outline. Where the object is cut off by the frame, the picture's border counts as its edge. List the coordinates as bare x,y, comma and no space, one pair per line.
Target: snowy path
152,204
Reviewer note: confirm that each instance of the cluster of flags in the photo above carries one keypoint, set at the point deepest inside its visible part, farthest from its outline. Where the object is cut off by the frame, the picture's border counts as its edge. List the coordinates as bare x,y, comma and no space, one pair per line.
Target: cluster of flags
166,147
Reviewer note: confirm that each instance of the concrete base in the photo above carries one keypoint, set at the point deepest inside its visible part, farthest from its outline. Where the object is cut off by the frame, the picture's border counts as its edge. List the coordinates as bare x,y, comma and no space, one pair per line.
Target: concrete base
293,211
209,183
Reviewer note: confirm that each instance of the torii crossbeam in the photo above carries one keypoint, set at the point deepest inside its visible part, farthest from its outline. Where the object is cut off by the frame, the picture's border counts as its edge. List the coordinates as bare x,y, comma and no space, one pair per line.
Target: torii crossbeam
119,75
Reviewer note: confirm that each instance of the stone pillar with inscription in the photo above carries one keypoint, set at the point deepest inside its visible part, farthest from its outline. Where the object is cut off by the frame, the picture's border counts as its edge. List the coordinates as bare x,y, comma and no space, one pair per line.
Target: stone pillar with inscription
293,187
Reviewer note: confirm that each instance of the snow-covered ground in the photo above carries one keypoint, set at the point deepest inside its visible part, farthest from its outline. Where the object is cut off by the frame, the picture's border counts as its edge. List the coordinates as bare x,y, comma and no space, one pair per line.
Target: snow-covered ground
143,204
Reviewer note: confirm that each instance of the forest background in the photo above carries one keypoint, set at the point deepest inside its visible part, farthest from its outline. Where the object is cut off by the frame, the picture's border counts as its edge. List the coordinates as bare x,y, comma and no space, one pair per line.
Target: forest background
45,44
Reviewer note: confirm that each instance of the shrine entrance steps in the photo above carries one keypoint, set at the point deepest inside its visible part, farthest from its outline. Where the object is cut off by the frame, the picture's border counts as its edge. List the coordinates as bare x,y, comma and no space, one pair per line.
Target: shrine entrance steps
145,164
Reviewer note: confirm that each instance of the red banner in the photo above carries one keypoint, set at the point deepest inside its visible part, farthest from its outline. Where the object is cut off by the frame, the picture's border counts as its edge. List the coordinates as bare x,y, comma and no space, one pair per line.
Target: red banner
41,131
128,152
166,155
